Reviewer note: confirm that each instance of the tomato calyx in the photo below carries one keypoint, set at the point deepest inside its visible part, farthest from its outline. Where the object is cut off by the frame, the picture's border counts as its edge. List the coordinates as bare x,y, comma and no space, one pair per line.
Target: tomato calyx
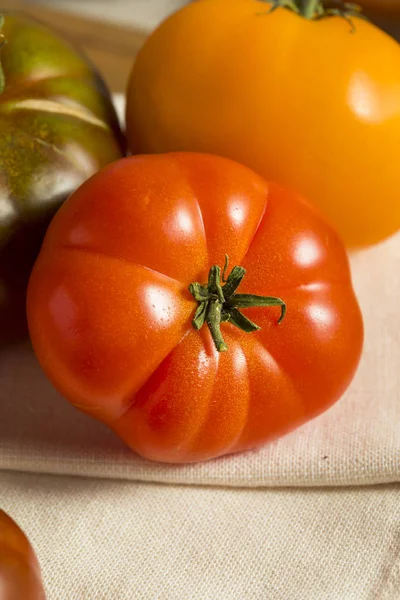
220,303
320,9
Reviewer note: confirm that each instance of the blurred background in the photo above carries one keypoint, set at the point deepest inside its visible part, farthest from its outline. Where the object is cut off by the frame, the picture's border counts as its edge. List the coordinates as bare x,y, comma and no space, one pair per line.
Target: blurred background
112,31
138,13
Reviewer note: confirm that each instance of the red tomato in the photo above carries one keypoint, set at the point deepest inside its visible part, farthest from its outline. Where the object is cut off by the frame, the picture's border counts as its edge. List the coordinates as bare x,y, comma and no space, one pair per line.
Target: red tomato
19,570
111,315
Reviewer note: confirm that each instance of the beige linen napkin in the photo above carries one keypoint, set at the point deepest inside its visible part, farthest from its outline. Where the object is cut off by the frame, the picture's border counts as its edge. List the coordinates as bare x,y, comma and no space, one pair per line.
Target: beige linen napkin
356,442
114,540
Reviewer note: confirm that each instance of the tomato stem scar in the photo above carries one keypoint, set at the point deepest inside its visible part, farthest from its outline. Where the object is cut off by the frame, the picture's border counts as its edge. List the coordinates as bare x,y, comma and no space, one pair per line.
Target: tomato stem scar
320,9
219,303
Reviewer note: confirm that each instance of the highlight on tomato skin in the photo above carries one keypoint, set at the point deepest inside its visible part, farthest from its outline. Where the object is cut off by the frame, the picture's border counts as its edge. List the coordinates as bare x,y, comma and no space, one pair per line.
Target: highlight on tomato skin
20,577
139,320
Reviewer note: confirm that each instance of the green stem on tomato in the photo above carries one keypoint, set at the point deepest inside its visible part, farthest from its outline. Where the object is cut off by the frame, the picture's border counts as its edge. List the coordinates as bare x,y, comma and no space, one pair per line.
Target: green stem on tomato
214,315
219,303
320,9
309,8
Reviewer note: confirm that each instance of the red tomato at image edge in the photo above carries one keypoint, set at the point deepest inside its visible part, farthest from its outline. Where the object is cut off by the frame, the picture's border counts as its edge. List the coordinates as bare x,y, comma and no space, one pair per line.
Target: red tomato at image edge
110,313
20,577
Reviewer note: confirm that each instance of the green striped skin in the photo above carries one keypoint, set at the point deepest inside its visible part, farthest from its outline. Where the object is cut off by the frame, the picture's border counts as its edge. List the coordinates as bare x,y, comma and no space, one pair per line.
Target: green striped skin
57,128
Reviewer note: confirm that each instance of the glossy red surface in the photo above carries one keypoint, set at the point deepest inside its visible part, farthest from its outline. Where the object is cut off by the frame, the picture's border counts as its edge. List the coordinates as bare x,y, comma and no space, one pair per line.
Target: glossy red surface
110,312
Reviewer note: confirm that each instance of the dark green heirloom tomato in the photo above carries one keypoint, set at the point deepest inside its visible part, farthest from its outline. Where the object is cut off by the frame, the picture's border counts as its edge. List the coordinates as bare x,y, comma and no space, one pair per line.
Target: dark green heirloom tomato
57,128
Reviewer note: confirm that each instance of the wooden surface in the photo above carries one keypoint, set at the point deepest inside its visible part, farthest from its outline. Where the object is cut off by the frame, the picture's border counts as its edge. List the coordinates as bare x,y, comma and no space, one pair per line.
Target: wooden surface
111,48
382,6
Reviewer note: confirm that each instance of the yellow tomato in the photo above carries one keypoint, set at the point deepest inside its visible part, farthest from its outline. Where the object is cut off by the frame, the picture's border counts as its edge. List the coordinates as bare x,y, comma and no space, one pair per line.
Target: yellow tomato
309,103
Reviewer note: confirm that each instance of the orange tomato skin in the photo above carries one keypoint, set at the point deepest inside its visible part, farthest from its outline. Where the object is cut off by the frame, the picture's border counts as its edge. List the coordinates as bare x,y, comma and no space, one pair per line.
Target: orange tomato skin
110,312
19,570
305,103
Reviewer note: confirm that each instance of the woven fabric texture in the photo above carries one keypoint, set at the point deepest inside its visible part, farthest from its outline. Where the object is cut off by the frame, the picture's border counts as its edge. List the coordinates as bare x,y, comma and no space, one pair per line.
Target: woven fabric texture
114,540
